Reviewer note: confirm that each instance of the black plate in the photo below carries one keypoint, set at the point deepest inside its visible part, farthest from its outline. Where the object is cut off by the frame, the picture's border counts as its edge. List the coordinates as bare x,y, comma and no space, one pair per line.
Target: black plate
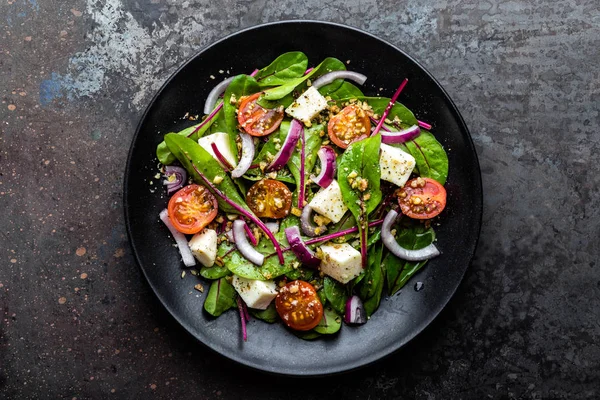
272,347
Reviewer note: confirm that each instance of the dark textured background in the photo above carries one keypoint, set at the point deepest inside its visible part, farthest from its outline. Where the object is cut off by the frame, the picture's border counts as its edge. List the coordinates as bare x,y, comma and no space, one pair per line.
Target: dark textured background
77,318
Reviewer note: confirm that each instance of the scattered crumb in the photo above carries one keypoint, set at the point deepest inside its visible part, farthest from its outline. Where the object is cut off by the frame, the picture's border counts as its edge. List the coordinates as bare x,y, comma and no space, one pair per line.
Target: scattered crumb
120,252
12,107
80,251
76,13
83,276
62,300
153,386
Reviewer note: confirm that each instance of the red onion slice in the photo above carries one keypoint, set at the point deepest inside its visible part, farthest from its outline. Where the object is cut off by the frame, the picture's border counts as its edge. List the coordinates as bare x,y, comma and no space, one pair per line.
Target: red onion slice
400,136
246,158
288,146
355,311
327,175
243,245
180,176
180,239
214,95
308,227
306,256
390,242
332,76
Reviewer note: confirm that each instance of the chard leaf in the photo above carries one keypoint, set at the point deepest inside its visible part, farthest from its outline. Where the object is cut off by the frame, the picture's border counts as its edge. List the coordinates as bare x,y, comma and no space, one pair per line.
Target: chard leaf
361,161
221,297
241,85
313,141
378,104
430,156
371,286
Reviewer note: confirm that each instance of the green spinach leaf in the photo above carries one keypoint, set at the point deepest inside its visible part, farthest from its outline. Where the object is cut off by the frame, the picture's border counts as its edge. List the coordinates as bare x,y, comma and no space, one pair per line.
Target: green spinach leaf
190,155
285,67
330,323
398,272
269,315
279,92
271,267
214,272
341,90
221,297
336,294
163,153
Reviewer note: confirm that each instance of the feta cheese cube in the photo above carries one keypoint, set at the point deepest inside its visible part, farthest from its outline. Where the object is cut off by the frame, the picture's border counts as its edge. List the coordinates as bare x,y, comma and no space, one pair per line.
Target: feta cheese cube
396,165
221,140
204,247
307,106
342,262
255,293
329,202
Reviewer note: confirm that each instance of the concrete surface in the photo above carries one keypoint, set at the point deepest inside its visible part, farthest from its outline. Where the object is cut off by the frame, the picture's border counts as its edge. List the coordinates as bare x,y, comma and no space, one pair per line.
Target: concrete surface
78,320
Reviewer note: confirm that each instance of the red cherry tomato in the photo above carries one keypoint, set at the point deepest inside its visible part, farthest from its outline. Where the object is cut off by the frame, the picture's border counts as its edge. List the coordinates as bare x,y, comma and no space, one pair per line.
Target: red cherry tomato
299,306
349,125
192,208
257,120
422,198
269,198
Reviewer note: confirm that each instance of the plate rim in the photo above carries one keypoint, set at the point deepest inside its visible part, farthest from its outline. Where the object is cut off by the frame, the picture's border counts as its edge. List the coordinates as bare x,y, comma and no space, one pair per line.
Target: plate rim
375,356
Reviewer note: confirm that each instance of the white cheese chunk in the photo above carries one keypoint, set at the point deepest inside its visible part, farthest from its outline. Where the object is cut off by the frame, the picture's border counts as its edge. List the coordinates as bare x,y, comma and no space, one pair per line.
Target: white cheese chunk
307,106
342,262
204,247
396,165
221,140
329,202
255,293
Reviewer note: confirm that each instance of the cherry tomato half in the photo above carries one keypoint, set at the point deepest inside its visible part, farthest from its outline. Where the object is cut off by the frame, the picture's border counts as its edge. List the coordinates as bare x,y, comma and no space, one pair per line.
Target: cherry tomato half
299,306
349,125
257,120
192,208
422,198
269,198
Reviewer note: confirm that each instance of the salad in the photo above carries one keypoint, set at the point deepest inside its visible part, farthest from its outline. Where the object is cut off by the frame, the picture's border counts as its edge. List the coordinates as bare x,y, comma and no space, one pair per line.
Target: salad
302,199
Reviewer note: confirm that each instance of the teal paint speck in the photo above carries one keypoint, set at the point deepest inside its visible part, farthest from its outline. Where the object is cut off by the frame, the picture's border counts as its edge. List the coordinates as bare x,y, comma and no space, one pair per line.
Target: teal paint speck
96,135
34,4
51,89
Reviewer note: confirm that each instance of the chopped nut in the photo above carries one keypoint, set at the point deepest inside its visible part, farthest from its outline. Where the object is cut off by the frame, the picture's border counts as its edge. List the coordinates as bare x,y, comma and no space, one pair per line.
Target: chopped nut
199,287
